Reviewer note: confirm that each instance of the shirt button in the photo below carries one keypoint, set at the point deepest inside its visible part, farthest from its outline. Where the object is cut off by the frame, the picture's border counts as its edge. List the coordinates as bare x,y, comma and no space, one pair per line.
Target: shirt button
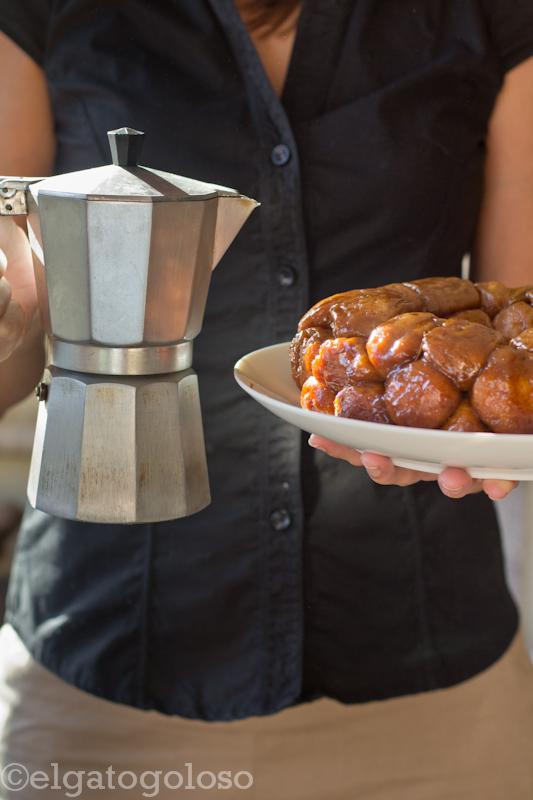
280,520
280,155
286,277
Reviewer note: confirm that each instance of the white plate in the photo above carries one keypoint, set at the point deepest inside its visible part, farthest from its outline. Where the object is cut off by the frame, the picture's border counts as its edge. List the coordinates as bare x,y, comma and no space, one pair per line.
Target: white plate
265,374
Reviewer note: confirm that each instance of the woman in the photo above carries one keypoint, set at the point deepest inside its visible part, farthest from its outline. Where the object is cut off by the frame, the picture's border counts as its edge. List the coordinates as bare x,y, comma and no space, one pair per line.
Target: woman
384,142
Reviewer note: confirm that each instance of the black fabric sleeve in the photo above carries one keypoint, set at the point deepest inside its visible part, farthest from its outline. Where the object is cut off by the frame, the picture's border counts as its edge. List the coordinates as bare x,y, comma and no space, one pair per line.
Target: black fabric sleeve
26,23
511,28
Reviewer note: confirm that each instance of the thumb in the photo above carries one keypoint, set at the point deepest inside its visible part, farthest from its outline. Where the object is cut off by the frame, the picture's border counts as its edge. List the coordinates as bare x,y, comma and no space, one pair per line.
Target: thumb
20,272
12,327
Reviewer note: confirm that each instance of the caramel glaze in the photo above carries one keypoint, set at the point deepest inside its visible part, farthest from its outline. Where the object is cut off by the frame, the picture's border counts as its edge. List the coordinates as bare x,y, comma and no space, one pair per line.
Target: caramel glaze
459,349
514,319
399,340
317,397
342,362
502,395
495,296
433,353
443,296
359,316
419,396
304,347
357,313
362,401
473,315
524,341
464,418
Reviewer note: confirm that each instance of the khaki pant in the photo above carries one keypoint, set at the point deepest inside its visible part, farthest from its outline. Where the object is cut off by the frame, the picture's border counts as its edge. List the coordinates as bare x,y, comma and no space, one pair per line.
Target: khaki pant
470,742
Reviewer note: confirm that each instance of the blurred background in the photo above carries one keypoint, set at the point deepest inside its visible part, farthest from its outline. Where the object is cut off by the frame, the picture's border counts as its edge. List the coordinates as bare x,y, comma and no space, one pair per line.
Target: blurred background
16,438
516,520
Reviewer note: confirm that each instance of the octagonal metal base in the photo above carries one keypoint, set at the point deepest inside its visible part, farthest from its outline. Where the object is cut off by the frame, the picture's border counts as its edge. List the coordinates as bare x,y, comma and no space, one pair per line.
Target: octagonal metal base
119,450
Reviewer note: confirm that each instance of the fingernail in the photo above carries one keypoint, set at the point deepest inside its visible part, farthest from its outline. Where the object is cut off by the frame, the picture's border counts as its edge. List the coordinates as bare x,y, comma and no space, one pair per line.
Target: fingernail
453,489
374,470
500,491
313,443
497,495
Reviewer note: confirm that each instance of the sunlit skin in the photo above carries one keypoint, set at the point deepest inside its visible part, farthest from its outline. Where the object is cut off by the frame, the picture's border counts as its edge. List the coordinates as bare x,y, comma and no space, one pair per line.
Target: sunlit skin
274,47
30,151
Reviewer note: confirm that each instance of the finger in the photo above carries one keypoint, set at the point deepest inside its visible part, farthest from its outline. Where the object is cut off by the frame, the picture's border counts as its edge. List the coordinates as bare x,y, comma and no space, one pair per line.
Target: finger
5,295
335,450
456,483
498,490
20,265
3,262
382,470
408,477
379,468
12,326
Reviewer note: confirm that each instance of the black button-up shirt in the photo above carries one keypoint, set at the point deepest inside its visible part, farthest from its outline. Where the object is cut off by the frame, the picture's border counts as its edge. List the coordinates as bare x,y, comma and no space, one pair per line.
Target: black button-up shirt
302,578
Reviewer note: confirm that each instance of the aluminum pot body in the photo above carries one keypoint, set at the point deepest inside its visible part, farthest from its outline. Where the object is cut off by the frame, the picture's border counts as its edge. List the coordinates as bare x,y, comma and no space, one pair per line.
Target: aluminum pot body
123,273
123,256
119,450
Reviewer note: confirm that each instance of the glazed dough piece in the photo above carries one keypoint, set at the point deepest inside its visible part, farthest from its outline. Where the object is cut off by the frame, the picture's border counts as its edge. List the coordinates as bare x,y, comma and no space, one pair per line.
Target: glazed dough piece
303,350
420,396
443,296
362,401
317,397
473,315
502,395
319,315
358,315
494,296
459,349
524,341
522,293
355,313
398,340
464,418
341,362
514,319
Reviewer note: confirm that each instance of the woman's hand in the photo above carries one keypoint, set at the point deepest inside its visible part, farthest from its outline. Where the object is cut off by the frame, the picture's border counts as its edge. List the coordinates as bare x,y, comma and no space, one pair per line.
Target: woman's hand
453,482
18,294
21,337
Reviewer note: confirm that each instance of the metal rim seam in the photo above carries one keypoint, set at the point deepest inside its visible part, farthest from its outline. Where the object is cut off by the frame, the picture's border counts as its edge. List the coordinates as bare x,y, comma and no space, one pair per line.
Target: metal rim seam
102,360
